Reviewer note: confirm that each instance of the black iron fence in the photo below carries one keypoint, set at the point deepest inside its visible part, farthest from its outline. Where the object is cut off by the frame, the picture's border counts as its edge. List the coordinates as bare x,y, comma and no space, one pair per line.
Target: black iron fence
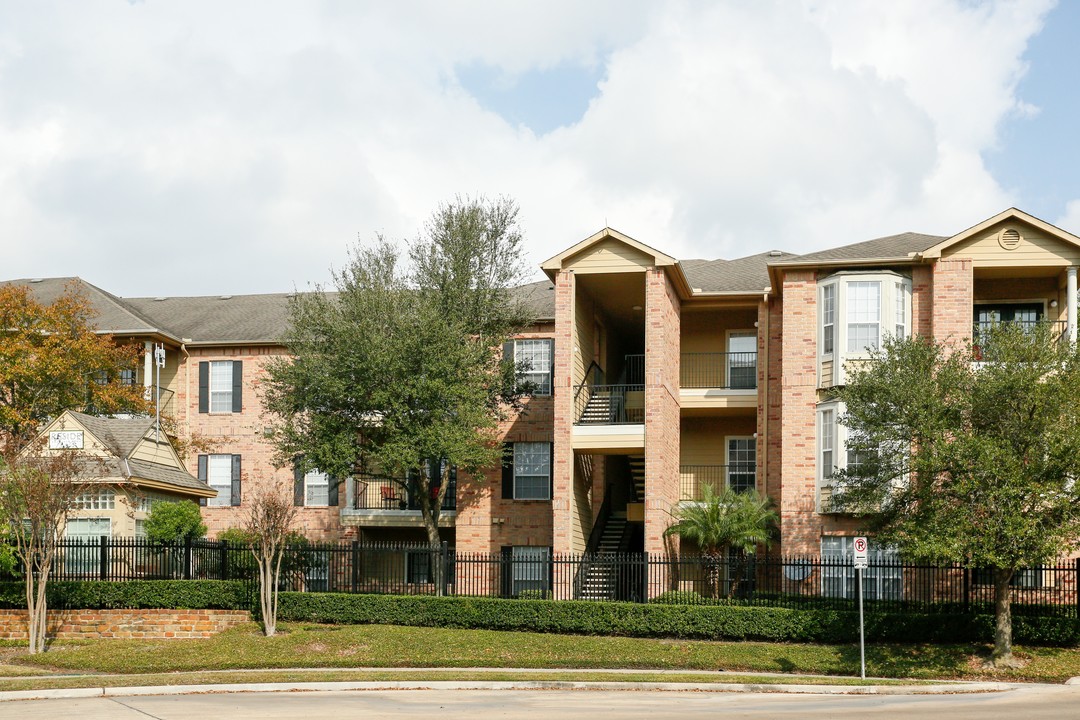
693,479
380,493
535,572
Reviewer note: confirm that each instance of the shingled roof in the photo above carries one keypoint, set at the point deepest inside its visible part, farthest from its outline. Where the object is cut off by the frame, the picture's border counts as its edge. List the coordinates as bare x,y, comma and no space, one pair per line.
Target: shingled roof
111,313
890,246
749,274
220,318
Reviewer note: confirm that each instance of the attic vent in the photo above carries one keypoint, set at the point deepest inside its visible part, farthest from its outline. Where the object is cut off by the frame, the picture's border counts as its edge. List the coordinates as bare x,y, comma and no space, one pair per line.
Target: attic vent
36,280
775,253
225,297
159,299
1009,238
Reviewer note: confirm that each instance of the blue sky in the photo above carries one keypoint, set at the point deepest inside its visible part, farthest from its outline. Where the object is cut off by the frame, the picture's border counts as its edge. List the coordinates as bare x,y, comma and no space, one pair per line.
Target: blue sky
1039,156
153,152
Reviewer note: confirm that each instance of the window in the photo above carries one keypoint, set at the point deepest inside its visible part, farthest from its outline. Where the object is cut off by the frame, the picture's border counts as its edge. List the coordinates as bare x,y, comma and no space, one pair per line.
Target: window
538,355
95,500
316,489
863,315
145,503
87,528
140,528
532,471
742,464
221,386
1022,578
418,567
221,383
128,377
219,476
827,444
882,580
828,319
901,310
531,568
83,554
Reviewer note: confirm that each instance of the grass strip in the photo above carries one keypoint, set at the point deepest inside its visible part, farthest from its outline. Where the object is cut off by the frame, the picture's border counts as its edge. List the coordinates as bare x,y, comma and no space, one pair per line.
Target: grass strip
276,676
381,646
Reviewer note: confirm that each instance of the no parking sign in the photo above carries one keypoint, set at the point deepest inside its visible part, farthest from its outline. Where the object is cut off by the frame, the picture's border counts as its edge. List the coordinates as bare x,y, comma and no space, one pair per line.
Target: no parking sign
861,558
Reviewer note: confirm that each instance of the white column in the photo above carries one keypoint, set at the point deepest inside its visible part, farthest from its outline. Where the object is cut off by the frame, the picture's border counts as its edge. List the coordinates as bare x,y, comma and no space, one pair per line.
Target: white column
1070,301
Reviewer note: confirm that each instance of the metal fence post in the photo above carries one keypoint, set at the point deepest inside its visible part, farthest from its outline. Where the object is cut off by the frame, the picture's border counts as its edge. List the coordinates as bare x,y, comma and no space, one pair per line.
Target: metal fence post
224,564
103,558
187,555
967,589
445,562
645,577
355,564
1076,586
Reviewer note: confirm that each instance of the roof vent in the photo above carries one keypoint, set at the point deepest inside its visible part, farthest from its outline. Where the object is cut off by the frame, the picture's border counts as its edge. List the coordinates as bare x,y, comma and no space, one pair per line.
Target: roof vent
225,297
35,280
1009,238
776,253
159,299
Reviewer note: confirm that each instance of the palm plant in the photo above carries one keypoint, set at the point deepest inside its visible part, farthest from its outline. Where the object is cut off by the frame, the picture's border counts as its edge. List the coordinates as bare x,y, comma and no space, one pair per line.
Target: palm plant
739,521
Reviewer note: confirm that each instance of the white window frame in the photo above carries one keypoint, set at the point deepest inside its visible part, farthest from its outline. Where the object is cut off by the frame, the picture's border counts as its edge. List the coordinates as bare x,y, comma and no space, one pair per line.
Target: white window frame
224,487
221,398
98,499
531,568
882,580
828,320
734,364
894,297
316,489
728,462
520,448
540,378
828,430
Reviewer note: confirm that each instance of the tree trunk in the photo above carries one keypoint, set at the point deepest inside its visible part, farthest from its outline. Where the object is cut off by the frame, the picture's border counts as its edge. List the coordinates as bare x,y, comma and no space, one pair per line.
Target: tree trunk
31,611
430,511
1002,655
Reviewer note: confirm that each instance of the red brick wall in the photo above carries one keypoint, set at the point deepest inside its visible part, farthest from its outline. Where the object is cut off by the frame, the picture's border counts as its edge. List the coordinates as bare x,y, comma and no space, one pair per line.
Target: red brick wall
148,624
922,300
662,427
953,296
563,421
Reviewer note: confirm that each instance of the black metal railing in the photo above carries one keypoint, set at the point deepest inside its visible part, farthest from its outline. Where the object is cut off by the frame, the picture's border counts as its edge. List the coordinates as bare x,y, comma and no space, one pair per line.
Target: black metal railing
380,493
693,479
724,370
403,568
1058,328
633,369
609,404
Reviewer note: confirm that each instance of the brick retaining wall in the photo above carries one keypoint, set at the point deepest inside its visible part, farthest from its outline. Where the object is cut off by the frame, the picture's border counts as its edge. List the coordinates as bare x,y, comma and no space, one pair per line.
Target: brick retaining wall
149,624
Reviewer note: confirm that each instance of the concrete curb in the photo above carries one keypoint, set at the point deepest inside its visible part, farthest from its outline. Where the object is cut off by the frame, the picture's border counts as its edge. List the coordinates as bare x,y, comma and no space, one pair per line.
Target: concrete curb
944,689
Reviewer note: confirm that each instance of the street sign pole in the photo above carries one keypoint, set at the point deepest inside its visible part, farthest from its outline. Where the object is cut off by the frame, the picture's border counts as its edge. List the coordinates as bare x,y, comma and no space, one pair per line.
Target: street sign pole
862,561
862,630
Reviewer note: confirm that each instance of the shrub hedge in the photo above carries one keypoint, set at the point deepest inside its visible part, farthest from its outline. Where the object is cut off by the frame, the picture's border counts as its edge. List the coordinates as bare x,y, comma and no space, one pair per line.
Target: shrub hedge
704,622
709,622
167,594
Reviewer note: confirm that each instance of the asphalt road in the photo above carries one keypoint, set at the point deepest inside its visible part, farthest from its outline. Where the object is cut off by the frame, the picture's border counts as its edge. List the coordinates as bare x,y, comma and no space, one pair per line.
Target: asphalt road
1034,703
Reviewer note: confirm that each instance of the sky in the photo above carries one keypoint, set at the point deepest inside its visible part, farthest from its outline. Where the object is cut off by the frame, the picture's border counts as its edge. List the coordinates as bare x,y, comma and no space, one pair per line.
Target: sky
161,148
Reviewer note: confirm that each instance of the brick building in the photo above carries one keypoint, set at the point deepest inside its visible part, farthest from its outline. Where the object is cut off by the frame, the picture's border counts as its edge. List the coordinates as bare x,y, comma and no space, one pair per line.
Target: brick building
657,377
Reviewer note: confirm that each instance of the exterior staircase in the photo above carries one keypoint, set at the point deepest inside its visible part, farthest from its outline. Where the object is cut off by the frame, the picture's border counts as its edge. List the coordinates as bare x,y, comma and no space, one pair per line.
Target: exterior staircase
601,409
600,576
637,476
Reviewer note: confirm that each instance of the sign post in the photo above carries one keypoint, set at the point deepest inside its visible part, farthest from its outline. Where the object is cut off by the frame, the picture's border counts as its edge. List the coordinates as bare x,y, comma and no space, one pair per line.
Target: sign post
861,563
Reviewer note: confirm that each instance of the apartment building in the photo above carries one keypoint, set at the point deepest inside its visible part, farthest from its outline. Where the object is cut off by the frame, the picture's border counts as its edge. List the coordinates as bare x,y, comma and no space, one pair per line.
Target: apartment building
656,378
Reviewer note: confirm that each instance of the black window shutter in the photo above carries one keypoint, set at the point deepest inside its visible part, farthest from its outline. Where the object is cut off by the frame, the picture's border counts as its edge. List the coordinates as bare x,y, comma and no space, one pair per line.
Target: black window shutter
237,386
508,351
508,471
202,476
235,480
551,570
551,471
551,354
298,485
204,387
507,553
331,491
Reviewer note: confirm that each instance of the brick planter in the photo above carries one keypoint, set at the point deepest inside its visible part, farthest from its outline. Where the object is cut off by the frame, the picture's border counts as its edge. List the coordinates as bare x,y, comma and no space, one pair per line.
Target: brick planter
148,624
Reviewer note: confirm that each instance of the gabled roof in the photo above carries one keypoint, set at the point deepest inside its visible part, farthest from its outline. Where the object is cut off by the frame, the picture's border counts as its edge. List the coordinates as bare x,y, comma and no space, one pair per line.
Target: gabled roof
220,319
556,262
112,314
935,251
122,437
889,247
539,298
743,275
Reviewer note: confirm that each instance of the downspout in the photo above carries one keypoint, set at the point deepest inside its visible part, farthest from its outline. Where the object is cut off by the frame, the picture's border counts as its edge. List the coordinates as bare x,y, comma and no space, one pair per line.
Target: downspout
764,392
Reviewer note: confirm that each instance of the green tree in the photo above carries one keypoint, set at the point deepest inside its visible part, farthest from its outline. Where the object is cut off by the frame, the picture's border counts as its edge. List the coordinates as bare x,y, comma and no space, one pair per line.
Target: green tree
971,453
402,364
174,522
725,520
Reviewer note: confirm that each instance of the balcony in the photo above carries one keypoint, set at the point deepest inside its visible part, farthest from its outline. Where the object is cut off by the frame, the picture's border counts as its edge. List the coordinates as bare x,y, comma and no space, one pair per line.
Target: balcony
609,418
741,477
381,501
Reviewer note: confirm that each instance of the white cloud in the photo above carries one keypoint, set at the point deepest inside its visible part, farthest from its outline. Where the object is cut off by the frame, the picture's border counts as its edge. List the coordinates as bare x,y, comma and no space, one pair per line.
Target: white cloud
168,148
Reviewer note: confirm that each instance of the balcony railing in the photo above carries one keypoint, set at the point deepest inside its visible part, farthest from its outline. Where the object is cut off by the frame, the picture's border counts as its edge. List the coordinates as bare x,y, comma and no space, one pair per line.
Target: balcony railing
609,404
693,479
724,370
1058,328
379,493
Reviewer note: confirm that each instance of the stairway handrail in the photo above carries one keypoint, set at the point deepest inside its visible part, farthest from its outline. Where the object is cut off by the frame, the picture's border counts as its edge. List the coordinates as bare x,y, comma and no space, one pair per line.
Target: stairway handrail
594,541
585,380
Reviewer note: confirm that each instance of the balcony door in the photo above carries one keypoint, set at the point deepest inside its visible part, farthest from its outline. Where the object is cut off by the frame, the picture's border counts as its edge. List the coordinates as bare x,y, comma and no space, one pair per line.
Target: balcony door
742,360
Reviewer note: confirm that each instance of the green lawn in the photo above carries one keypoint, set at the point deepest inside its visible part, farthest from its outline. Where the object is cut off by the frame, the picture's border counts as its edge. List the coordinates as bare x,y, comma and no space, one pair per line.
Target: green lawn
379,646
